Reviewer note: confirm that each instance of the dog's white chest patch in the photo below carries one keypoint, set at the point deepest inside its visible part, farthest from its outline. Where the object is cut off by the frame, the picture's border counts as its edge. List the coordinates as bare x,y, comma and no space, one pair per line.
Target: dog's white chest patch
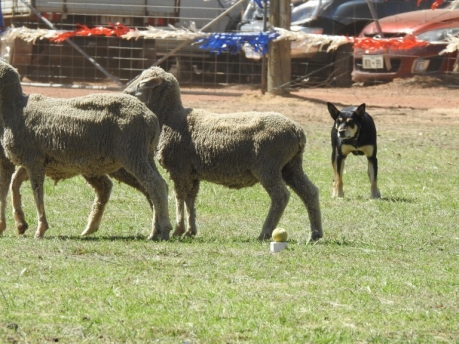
367,150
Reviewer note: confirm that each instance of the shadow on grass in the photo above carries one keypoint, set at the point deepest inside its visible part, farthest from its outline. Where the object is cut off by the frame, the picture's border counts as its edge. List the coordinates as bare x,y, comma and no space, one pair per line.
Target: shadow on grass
194,240
100,238
385,199
181,240
397,199
338,242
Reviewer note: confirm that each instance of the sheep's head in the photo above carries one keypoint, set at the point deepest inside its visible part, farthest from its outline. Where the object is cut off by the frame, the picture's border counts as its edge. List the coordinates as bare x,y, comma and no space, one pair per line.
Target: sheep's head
8,75
156,88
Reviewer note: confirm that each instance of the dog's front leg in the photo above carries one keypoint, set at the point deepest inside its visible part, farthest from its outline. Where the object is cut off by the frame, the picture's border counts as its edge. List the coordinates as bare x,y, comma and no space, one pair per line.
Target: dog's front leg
373,175
338,168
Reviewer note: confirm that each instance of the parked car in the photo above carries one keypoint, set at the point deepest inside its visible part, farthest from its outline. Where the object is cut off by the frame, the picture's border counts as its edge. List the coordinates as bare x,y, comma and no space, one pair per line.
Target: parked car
371,66
329,17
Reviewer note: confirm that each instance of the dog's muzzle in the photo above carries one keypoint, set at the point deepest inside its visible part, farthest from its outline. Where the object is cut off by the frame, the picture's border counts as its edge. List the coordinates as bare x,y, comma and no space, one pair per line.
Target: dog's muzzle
342,133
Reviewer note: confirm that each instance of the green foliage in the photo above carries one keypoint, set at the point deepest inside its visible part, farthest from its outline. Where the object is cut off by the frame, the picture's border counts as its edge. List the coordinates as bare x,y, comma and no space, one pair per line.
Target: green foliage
386,271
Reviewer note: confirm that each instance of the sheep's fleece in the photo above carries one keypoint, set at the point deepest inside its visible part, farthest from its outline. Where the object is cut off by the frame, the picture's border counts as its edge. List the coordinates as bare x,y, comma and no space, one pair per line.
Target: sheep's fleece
236,150
92,135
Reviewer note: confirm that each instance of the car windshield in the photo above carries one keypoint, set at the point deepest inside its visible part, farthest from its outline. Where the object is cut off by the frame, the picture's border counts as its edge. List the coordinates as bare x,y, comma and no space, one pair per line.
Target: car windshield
300,13
305,11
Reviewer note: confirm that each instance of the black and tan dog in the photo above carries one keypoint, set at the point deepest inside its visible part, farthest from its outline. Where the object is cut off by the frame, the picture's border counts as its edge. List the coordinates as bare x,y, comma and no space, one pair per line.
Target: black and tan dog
353,132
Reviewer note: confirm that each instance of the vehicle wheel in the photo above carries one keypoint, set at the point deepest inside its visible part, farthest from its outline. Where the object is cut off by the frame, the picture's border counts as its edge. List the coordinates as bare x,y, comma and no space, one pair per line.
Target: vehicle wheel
342,68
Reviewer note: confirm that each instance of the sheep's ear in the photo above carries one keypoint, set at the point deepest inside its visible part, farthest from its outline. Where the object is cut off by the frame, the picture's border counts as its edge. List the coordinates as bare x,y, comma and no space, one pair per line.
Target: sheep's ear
150,82
130,82
360,111
334,112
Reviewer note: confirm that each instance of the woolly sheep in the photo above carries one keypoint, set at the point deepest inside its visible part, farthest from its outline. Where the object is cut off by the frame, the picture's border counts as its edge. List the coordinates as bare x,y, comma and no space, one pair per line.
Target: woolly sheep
101,185
235,150
6,171
93,135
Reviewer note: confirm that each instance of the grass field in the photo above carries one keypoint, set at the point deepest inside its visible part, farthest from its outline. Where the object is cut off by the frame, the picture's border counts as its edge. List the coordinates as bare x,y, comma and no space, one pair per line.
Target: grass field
387,271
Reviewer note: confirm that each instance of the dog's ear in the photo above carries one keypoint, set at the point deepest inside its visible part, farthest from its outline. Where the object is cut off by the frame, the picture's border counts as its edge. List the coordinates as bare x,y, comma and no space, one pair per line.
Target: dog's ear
334,112
360,111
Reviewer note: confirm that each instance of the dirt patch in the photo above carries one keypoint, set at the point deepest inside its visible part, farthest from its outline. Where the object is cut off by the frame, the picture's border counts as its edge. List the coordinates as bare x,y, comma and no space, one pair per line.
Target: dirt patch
418,101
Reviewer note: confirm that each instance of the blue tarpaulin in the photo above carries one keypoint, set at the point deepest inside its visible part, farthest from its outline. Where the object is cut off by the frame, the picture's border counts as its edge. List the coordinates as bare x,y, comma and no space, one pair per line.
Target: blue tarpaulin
2,25
233,42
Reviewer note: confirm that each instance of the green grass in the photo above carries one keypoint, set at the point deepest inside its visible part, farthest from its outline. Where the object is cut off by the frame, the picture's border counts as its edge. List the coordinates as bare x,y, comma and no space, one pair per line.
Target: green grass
386,271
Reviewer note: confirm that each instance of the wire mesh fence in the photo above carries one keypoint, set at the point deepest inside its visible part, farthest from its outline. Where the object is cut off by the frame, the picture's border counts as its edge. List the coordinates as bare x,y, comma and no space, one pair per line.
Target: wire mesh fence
105,61
45,61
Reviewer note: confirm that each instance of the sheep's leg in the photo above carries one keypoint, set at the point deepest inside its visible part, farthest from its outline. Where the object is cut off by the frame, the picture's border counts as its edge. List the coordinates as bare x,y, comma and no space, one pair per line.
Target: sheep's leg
190,202
125,177
18,178
185,194
37,178
179,216
103,187
295,178
6,171
279,195
156,234
148,176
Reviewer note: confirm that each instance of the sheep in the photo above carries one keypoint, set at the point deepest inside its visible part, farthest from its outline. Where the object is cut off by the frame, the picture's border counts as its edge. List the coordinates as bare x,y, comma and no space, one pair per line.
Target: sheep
6,171
101,186
93,135
235,150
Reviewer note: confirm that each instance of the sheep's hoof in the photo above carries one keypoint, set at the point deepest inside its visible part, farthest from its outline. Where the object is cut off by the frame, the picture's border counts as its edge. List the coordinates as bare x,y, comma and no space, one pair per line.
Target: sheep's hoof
21,228
375,195
158,237
190,234
155,236
264,236
316,236
179,231
165,236
39,235
89,231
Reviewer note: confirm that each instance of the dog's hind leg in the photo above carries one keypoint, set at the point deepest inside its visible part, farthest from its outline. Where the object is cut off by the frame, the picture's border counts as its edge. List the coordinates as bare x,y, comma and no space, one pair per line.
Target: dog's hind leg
296,179
338,169
373,175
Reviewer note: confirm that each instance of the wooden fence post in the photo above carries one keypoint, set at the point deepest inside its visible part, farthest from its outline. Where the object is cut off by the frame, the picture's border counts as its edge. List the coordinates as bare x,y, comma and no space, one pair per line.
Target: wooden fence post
279,62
